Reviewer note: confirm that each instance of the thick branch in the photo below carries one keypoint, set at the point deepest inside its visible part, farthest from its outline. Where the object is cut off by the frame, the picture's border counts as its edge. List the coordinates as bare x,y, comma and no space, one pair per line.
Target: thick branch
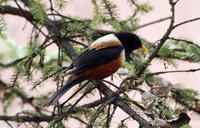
15,11
36,119
126,108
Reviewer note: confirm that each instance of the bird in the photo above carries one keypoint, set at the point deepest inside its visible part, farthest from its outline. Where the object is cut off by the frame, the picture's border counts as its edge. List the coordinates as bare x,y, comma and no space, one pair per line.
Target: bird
102,59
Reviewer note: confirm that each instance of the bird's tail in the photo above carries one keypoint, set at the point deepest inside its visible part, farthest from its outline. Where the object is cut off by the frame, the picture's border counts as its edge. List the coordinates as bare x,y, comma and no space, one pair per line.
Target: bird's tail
57,95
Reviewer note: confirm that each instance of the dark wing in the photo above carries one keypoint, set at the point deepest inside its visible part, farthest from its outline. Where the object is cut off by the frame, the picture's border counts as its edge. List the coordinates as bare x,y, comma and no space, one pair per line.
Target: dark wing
92,58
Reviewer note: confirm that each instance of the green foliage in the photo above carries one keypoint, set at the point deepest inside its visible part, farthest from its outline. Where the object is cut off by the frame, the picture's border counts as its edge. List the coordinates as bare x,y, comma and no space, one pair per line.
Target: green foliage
48,73
166,54
2,2
138,59
184,51
76,27
186,126
180,50
88,87
129,66
141,8
82,110
144,8
127,99
87,30
2,28
54,124
187,94
41,99
98,20
33,49
22,70
167,113
7,101
130,25
61,4
109,9
117,26
38,9
149,79
13,51
98,16
194,52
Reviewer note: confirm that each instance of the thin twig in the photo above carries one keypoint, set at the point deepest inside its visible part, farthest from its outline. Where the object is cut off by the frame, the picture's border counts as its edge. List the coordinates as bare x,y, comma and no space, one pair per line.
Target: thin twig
12,63
7,122
108,117
122,121
176,71
99,111
134,3
185,22
21,95
79,119
77,91
65,114
154,22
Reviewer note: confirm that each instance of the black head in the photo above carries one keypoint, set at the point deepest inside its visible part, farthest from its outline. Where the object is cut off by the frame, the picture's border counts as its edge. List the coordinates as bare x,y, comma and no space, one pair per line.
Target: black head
130,42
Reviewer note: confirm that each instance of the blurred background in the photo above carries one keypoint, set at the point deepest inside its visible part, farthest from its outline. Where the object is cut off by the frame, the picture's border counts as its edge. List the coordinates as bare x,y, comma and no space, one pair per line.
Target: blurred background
18,31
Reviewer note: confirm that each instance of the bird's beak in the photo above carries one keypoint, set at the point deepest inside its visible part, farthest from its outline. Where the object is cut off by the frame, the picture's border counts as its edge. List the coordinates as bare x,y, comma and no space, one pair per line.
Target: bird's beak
144,48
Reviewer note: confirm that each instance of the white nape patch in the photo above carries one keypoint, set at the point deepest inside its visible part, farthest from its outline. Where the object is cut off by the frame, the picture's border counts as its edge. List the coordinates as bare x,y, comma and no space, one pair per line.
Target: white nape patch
110,37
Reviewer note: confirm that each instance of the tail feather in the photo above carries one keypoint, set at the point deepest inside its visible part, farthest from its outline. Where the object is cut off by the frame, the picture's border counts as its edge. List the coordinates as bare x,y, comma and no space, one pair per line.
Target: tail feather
57,95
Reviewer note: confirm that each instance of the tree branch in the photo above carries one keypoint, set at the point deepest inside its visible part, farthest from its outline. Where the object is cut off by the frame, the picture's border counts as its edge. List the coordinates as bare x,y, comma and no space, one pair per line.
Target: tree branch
23,97
162,41
165,72
187,41
185,22
12,63
107,92
68,49
178,97
35,119
126,108
99,111
6,9
154,22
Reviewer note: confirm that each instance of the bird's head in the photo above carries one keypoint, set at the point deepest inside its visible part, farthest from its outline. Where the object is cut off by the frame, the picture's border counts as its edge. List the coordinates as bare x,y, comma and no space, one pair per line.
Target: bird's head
130,42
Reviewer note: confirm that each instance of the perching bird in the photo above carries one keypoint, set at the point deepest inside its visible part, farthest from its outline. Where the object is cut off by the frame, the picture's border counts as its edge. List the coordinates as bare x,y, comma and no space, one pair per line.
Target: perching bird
103,58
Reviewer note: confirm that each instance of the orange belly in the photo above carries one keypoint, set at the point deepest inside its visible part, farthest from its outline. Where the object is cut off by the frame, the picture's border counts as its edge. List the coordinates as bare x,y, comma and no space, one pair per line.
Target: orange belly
103,71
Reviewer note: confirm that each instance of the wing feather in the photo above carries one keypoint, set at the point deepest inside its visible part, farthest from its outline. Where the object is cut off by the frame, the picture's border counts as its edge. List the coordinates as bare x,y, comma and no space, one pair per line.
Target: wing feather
92,58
